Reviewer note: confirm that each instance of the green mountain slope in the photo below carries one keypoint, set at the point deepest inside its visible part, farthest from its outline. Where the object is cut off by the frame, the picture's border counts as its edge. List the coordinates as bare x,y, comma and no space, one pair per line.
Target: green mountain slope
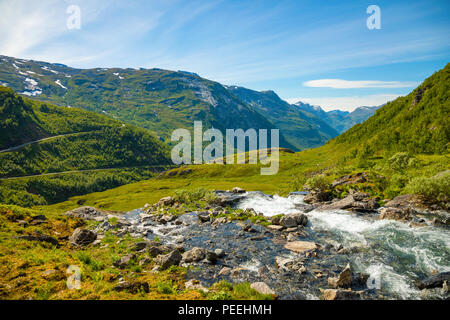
301,129
416,123
82,140
154,99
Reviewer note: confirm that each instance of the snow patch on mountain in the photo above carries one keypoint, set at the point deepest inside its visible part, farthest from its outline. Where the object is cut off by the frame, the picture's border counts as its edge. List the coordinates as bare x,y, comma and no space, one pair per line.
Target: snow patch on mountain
58,82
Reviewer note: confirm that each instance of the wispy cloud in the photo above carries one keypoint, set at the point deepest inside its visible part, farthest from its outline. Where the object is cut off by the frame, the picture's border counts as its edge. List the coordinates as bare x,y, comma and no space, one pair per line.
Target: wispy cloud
347,103
346,84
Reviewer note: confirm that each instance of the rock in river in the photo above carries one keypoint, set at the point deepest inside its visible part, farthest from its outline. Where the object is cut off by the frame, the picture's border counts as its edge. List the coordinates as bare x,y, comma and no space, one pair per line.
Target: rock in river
300,246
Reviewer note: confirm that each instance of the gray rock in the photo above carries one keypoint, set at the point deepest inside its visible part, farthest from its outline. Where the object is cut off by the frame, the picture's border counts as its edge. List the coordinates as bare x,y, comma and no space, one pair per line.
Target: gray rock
82,237
194,255
124,261
167,260
436,281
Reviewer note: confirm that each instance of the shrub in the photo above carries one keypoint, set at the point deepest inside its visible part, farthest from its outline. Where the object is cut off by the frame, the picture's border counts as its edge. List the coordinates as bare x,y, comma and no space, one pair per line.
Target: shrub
433,189
317,182
402,160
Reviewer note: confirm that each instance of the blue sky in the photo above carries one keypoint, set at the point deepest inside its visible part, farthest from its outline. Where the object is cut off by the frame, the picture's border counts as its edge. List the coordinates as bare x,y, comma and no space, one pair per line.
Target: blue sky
316,51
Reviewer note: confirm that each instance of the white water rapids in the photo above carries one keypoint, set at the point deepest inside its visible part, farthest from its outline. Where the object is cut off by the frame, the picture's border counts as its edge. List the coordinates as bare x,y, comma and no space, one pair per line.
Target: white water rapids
393,253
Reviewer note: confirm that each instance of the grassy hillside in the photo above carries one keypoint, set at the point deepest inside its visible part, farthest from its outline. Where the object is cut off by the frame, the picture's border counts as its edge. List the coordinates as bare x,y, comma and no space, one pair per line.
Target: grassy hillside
416,123
301,129
77,140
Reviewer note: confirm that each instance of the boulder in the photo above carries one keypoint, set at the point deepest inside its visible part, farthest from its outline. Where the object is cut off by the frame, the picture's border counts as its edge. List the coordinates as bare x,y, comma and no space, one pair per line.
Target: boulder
86,213
194,255
238,190
203,216
262,288
345,203
82,237
402,214
436,281
138,246
300,246
338,294
288,221
166,201
124,261
316,196
344,279
165,261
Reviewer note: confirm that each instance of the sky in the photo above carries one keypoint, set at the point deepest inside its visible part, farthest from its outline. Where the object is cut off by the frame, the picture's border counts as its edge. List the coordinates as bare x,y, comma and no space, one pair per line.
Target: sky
320,52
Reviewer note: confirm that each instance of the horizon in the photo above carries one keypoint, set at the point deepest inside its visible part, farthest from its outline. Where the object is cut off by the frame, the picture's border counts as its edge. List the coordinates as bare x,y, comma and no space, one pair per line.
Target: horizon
330,59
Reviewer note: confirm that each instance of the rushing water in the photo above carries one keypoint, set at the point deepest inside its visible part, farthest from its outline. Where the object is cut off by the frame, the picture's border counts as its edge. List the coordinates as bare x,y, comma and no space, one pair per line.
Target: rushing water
393,253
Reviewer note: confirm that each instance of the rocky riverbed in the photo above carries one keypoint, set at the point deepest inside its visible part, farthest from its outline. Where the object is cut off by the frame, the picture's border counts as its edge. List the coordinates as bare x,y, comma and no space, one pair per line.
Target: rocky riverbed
303,251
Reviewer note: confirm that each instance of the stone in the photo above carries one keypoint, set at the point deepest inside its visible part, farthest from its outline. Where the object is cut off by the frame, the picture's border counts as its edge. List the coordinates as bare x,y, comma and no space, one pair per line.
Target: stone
211,257
86,213
262,288
166,201
288,221
344,279
300,246
203,216
124,261
436,281
167,260
133,286
337,294
82,237
401,214
195,285
224,271
275,227
194,255
237,190
138,246
220,253
345,203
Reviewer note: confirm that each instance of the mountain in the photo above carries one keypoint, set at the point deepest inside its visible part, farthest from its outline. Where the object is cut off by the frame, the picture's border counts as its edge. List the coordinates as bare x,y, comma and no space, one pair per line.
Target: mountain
301,129
155,99
416,123
56,139
341,121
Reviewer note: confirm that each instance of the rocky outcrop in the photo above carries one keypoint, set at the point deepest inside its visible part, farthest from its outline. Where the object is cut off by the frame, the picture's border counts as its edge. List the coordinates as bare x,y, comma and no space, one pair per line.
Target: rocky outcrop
356,178
359,202
164,261
86,213
436,281
82,237
262,288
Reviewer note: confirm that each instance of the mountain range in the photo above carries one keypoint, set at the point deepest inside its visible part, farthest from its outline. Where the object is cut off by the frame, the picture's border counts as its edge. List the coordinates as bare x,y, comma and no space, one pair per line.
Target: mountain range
162,100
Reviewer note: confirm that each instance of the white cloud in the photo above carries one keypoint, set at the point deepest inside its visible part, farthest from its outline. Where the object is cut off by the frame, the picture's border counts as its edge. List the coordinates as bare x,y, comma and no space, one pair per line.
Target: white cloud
347,103
346,84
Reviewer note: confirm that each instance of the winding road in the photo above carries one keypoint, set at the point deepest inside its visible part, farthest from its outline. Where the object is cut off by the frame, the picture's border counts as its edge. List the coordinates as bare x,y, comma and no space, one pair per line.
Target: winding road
41,140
